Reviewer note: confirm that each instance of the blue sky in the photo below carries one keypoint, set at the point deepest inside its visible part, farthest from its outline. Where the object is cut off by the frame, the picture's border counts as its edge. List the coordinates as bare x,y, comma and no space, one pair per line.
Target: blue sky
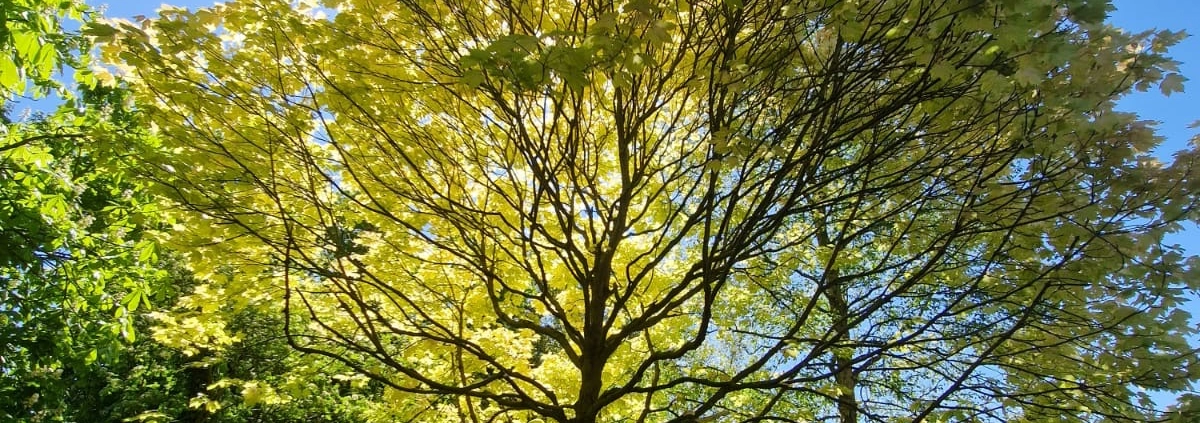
1179,110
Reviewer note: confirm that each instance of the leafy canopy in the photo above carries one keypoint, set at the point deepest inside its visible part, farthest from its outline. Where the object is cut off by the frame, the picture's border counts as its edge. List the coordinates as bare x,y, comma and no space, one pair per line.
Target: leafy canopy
680,210
75,268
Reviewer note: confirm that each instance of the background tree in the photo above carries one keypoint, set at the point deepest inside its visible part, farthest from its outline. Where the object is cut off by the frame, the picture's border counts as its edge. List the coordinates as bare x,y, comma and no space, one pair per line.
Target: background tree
148,381
35,45
75,267
894,210
79,268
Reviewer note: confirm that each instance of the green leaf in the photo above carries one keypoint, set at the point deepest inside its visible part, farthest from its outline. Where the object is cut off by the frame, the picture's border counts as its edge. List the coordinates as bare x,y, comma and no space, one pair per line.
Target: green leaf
473,77
1172,83
99,30
147,252
11,80
26,44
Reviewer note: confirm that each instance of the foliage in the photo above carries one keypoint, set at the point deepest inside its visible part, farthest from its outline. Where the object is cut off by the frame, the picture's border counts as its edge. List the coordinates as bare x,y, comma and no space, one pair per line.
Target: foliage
888,210
36,46
75,267
151,383
80,268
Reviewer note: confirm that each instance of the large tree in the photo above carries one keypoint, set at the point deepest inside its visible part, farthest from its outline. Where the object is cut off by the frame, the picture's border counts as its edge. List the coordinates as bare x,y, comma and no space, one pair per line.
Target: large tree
705,210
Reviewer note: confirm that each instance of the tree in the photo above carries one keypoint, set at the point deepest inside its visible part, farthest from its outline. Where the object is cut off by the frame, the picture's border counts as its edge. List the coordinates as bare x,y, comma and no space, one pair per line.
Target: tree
147,381
75,267
900,210
35,45
78,271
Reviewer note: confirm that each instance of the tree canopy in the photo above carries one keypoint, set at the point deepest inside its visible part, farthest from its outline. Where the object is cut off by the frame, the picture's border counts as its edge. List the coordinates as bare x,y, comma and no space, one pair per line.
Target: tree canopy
703,210
74,267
